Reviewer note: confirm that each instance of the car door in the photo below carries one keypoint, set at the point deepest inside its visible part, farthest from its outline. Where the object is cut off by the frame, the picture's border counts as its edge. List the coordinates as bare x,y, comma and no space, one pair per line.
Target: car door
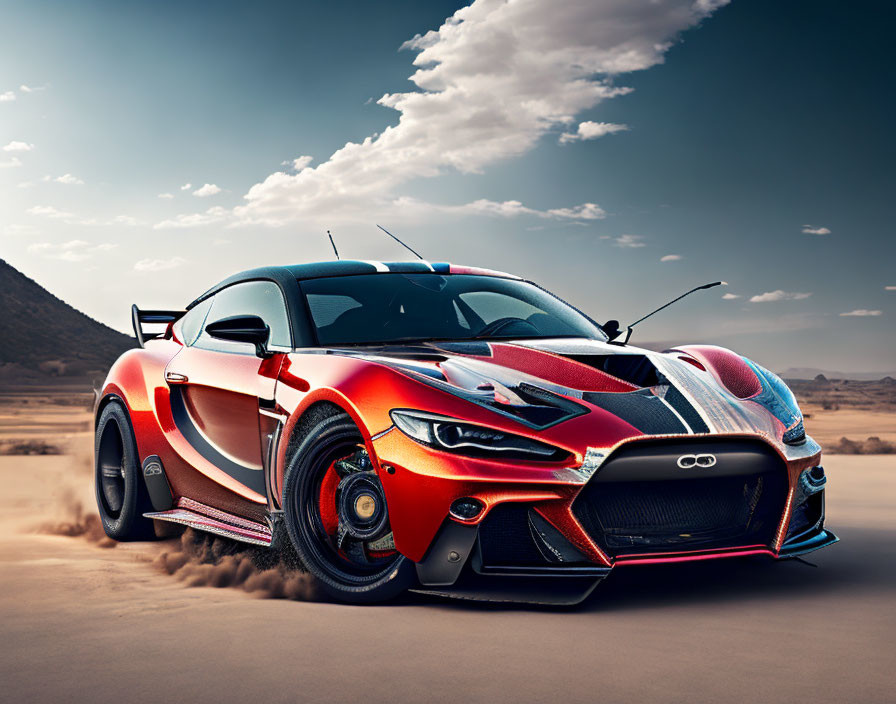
218,388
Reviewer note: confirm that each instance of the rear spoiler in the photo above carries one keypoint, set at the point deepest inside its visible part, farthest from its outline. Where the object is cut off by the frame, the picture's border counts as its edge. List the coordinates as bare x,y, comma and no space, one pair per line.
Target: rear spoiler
152,317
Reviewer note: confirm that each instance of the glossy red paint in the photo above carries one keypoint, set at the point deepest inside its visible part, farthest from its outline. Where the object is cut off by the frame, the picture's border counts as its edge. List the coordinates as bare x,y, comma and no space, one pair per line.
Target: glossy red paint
728,367
556,369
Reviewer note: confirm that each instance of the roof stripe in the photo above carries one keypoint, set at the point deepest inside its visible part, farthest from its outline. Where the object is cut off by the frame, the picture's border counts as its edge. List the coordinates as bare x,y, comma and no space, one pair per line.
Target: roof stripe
379,265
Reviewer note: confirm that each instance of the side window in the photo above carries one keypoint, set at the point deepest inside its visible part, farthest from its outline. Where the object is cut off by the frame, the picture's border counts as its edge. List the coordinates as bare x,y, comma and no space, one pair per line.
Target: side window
327,308
261,298
191,324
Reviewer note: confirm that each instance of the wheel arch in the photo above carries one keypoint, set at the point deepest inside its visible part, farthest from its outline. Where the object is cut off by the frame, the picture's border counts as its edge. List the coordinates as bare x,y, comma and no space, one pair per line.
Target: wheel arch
322,405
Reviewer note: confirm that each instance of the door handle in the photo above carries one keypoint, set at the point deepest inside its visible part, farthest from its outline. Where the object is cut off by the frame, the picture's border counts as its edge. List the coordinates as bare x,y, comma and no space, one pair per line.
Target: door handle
175,378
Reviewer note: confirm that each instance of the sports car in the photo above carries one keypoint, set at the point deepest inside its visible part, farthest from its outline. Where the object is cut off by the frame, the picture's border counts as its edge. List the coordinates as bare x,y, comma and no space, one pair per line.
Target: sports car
446,429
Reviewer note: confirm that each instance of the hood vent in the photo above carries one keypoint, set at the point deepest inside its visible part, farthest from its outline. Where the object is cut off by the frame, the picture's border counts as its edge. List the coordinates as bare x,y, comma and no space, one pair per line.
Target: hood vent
636,369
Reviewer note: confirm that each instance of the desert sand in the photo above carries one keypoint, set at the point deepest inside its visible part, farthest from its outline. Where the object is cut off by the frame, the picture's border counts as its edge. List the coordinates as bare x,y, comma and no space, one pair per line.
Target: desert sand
84,619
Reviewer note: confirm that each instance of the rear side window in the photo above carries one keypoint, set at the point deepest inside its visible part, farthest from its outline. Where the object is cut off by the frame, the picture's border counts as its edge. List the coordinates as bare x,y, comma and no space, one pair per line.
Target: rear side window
191,324
261,298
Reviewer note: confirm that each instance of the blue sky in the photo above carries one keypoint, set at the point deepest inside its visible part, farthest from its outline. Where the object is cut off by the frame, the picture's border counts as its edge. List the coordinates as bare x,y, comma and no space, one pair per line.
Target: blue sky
576,143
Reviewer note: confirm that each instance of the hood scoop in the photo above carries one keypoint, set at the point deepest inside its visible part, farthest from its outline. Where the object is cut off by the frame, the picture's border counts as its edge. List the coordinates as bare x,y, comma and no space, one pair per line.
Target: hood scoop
636,369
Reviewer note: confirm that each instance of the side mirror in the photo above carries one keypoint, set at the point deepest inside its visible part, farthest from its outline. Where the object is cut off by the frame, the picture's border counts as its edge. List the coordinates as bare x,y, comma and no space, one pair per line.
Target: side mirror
611,329
242,328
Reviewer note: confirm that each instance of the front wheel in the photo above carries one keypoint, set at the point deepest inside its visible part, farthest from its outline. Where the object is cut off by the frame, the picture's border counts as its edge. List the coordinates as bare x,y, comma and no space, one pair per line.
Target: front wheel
121,494
336,515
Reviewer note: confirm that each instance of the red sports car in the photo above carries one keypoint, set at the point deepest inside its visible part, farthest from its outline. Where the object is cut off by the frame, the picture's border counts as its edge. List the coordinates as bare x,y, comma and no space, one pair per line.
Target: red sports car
446,429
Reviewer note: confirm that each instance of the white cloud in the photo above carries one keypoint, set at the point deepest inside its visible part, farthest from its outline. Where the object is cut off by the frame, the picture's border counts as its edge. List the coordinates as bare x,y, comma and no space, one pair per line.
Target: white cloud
159,264
299,163
779,295
671,258
629,241
861,313
7,97
729,296
812,230
48,211
71,251
591,130
69,180
10,163
585,211
209,189
490,82
186,187
507,209
185,220
18,147
128,220
30,89
166,196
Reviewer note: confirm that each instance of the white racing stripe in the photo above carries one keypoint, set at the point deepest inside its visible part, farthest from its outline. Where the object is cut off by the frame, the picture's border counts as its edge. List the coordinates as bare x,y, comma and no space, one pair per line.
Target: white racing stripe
677,415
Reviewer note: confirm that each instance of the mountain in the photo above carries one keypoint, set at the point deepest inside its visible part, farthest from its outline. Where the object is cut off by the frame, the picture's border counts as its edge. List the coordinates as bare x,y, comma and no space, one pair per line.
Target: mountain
43,339
812,373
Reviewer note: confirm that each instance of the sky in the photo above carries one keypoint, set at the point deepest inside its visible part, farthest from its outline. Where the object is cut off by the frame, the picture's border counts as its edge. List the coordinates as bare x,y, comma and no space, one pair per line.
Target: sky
617,152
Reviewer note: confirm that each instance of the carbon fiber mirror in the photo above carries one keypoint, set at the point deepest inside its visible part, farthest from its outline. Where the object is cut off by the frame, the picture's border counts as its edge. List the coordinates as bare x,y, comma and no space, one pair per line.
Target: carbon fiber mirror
242,328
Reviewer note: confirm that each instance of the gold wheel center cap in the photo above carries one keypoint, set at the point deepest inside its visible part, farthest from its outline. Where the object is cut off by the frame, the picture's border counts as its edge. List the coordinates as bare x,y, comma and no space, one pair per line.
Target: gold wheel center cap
365,506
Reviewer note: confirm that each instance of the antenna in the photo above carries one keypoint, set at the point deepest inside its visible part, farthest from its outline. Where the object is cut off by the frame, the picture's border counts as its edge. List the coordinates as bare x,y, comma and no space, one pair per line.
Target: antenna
399,242
613,332
335,251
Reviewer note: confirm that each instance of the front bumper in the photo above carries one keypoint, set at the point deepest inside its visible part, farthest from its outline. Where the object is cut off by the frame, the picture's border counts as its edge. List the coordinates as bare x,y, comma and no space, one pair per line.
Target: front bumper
534,524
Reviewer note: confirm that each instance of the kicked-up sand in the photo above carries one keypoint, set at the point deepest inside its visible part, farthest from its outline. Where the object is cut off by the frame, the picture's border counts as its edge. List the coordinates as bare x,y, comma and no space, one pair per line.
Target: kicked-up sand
85,619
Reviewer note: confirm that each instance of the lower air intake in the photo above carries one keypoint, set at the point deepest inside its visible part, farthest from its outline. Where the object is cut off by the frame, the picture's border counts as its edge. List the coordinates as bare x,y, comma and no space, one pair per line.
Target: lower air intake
668,496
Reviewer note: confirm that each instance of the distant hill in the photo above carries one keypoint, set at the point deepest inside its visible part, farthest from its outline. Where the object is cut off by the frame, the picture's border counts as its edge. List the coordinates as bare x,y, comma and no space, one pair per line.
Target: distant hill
812,373
43,339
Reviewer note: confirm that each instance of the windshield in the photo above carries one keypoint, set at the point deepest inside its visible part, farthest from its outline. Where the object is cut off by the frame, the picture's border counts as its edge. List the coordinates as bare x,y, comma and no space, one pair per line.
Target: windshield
378,308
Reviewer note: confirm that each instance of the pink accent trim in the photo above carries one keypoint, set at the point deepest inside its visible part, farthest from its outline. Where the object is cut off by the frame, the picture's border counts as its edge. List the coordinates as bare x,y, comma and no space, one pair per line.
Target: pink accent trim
638,560
223,516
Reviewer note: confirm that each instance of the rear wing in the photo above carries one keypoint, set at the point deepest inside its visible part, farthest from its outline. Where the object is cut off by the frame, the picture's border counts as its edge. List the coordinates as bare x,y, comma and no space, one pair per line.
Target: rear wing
139,318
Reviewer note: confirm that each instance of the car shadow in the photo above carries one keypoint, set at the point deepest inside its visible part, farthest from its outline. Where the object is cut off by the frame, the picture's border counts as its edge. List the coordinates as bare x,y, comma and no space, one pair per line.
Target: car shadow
863,560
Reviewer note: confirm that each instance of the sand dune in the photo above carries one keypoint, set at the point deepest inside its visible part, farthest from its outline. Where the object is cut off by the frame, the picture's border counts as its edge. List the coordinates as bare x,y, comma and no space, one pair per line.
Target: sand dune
127,624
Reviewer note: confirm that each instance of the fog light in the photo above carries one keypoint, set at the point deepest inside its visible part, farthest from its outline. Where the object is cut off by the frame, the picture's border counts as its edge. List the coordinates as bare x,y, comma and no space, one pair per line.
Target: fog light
816,474
466,509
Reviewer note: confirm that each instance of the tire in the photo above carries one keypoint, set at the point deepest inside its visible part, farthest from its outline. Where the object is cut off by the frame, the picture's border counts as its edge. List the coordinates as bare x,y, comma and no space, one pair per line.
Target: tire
121,494
328,440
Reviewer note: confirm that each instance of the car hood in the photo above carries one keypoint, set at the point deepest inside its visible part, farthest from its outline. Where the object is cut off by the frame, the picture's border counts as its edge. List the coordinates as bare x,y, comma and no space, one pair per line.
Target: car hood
544,382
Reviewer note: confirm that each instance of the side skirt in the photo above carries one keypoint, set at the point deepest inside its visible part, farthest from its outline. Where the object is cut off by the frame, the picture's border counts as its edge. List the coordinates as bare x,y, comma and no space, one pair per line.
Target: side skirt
211,520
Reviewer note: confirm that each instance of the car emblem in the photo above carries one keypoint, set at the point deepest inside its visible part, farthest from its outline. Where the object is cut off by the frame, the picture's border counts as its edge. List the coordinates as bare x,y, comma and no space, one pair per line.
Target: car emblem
688,461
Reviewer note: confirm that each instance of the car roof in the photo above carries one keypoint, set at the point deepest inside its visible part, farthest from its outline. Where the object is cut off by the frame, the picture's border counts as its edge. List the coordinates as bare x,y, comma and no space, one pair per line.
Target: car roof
286,276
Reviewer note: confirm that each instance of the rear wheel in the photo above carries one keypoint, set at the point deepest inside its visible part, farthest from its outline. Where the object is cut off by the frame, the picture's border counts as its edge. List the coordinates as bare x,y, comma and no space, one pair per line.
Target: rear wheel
121,495
337,517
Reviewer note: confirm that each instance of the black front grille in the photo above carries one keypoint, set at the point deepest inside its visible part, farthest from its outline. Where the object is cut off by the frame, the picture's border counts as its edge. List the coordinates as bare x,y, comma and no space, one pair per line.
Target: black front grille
641,500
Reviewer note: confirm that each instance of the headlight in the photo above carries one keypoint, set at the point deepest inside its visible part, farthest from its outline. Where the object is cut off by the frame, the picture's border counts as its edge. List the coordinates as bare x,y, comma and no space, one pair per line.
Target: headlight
450,435
781,403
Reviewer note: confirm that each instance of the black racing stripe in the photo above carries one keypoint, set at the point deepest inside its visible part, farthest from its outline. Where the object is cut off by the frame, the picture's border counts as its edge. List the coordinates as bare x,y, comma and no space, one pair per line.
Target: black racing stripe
676,399
639,408
252,478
